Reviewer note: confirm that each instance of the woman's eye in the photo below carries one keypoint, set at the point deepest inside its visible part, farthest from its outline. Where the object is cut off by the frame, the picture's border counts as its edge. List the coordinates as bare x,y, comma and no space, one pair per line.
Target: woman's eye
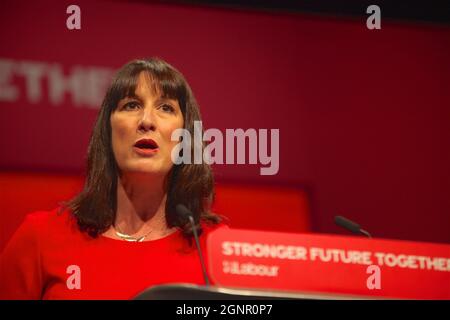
130,105
167,108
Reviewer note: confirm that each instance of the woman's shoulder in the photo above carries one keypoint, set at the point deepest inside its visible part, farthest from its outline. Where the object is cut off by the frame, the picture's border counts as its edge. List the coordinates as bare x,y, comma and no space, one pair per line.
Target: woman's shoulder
35,230
209,226
56,215
42,221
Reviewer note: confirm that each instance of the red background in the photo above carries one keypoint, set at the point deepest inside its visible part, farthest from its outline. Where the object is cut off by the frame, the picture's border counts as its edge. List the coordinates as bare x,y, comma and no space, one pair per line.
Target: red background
363,115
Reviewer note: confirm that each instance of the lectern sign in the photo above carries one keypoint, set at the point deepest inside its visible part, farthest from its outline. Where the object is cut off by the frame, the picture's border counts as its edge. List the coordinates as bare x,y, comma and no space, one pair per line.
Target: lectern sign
329,264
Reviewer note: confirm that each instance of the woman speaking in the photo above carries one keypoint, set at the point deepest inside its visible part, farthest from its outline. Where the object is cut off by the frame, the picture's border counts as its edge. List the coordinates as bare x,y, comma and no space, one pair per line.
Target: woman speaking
121,234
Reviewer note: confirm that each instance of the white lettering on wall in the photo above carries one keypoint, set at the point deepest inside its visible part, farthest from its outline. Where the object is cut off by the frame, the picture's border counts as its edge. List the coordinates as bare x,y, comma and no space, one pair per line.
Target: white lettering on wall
81,86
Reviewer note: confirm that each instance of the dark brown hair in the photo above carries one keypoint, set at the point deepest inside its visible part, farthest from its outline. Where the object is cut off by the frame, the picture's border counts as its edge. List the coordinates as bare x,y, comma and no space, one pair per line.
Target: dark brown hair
189,184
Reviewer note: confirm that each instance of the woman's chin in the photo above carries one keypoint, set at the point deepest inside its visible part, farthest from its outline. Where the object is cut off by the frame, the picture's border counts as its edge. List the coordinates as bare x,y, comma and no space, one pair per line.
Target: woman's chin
144,171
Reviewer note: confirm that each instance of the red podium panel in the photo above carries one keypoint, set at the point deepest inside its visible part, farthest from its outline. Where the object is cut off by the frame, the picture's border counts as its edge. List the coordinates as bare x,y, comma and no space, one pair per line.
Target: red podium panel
329,264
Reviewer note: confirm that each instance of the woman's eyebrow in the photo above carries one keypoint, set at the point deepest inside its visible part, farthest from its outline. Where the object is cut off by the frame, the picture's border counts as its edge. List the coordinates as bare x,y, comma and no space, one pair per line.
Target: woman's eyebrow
131,97
161,100
140,99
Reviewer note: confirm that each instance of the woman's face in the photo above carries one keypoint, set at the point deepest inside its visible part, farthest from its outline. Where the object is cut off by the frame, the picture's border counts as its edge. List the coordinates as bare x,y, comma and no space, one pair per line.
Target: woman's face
145,116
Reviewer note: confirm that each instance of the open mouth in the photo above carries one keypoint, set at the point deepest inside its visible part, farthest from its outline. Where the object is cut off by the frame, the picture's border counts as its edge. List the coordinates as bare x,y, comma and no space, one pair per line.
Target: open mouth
146,144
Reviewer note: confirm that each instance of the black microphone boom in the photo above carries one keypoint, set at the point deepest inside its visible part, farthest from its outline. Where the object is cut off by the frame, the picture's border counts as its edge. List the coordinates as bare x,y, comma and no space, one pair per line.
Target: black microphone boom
350,225
185,212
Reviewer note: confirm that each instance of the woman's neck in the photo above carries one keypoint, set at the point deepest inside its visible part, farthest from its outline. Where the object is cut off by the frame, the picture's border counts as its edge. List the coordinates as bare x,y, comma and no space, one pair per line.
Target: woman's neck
141,203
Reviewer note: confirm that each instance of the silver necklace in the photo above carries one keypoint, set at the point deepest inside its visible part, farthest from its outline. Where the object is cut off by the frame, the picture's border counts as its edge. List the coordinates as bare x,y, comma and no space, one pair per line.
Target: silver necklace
129,238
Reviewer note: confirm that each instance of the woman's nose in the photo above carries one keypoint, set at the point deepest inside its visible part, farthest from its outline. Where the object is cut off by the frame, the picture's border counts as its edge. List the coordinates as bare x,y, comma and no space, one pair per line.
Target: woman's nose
147,121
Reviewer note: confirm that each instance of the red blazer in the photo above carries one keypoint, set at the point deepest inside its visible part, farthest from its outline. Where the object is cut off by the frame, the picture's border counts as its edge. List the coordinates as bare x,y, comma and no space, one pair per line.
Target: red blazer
50,258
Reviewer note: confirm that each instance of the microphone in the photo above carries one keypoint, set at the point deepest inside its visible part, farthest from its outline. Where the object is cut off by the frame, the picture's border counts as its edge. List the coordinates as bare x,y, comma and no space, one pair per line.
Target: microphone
350,225
185,212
